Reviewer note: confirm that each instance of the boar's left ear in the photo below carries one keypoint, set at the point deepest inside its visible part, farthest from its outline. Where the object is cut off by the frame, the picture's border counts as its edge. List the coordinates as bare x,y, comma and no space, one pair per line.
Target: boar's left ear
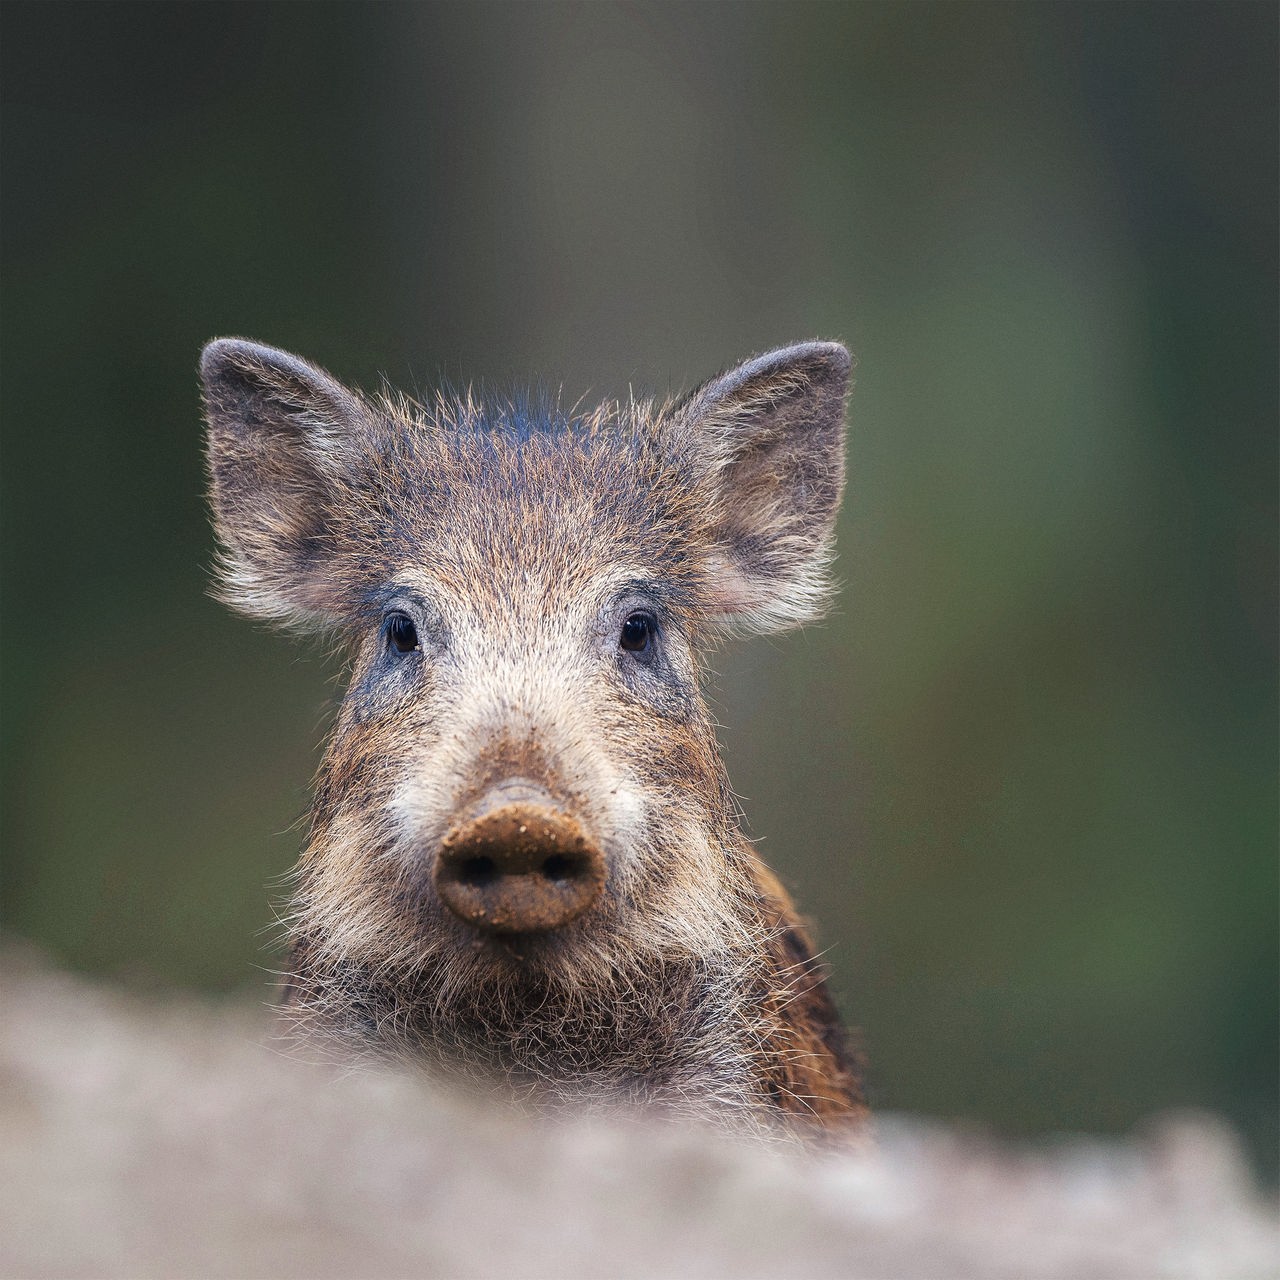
767,440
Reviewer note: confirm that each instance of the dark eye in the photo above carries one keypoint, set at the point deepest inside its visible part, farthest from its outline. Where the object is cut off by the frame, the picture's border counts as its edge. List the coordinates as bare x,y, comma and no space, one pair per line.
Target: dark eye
402,635
637,633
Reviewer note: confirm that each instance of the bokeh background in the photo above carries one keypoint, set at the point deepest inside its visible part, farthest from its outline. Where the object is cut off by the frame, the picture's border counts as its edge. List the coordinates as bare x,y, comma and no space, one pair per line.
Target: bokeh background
1025,780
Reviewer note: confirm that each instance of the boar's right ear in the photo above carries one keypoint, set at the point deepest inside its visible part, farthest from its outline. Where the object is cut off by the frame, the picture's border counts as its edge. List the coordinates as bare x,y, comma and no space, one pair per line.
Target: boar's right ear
280,442
766,441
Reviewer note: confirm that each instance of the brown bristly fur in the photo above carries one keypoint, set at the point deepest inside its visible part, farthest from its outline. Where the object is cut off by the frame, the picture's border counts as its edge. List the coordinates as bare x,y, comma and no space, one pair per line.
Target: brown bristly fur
517,539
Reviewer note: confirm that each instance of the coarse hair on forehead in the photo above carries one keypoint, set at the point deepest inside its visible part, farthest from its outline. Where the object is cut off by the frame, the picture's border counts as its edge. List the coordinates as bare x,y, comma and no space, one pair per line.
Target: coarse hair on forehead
506,446
522,484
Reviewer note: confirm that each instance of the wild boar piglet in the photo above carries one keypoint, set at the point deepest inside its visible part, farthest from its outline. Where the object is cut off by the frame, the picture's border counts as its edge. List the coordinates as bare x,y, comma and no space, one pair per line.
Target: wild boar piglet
525,865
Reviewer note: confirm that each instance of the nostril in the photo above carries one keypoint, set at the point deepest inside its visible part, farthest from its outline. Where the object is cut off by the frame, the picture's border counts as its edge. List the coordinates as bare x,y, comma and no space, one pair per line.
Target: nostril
560,867
478,871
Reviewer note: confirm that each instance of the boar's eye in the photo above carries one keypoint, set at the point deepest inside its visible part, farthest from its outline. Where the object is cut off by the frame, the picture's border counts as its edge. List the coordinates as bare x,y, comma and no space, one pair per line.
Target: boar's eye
402,635
638,632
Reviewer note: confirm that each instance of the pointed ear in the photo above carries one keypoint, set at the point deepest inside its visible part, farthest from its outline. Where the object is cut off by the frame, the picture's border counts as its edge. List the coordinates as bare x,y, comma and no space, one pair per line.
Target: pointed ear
282,435
768,440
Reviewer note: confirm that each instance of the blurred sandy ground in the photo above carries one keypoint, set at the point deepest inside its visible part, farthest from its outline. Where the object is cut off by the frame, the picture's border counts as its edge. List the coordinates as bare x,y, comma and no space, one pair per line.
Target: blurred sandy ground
165,1138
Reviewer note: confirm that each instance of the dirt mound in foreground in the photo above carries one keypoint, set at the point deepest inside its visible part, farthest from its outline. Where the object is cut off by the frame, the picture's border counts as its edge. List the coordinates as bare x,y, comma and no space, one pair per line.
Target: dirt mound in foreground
165,1139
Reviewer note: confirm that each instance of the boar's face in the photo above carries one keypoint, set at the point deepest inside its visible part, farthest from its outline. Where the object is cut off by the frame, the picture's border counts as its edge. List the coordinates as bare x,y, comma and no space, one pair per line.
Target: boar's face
523,774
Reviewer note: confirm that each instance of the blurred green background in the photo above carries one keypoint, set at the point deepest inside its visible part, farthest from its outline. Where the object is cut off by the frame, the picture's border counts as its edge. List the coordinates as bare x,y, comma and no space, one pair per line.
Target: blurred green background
1025,780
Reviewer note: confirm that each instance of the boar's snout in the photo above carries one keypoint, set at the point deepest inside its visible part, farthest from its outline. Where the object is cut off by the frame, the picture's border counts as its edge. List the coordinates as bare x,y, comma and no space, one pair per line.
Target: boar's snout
521,864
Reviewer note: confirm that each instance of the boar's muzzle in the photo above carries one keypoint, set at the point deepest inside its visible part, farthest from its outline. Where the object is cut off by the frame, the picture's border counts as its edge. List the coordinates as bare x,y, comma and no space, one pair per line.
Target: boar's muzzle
518,864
